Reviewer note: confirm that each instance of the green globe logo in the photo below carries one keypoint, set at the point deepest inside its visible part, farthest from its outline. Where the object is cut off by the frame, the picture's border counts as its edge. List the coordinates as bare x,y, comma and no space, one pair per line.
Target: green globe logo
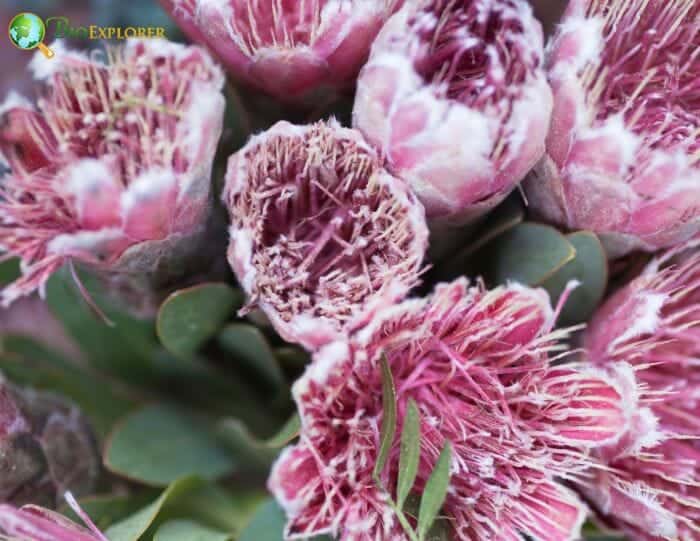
27,31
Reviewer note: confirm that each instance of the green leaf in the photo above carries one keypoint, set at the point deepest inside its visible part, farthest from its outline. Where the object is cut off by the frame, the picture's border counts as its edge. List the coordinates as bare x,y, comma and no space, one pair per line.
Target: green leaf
440,531
287,433
134,526
125,350
222,509
435,492
590,268
9,271
253,451
293,357
187,530
105,510
389,420
528,253
159,444
591,532
410,453
29,363
506,216
249,347
268,525
190,317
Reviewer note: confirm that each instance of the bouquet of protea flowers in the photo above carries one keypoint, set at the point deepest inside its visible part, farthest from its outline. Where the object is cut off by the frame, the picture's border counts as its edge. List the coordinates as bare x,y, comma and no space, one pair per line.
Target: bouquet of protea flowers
466,308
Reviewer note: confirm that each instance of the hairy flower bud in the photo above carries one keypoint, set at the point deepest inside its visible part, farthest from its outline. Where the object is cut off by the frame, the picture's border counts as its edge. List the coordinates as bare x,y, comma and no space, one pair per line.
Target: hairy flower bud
651,487
477,364
455,96
293,50
319,229
112,168
46,448
623,152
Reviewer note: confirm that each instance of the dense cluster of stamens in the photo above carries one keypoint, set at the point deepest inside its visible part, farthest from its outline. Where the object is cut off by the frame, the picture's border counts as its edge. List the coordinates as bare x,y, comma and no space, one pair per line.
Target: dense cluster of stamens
329,228
476,363
476,53
649,72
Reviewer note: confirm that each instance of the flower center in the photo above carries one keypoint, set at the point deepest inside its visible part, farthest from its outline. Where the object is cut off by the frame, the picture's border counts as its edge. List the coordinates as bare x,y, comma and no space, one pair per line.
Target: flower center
328,233
474,51
649,70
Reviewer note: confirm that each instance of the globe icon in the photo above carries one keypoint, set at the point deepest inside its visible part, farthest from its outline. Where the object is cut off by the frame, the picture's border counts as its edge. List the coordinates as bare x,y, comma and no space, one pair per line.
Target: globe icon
27,31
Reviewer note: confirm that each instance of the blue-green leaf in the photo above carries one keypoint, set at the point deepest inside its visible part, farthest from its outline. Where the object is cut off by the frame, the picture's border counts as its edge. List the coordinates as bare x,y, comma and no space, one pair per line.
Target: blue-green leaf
190,317
158,445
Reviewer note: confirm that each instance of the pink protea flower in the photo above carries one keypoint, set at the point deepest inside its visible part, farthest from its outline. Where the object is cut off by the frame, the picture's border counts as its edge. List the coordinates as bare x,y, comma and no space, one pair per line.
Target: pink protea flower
653,486
455,96
34,523
477,364
112,168
46,447
295,51
624,144
319,229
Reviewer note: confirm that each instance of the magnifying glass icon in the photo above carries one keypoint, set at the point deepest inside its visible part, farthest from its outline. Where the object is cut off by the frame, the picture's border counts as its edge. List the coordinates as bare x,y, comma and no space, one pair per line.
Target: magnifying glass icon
27,31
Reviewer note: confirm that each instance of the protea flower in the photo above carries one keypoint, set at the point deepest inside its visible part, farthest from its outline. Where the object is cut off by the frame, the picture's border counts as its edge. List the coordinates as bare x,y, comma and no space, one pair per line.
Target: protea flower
652,488
46,448
319,229
112,168
293,50
455,96
34,523
477,364
624,144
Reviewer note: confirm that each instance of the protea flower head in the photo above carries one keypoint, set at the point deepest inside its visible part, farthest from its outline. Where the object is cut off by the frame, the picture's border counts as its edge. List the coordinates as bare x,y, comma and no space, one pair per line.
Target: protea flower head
34,523
477,364
46,448
623,152
112,167
293,50
455,96
319,229
652,488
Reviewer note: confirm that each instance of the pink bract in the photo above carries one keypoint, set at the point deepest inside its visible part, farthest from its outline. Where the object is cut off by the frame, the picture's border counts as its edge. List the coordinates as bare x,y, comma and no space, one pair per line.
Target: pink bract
34,523
294,50
652,489
319,229
477,364
455,96
112,168
623,151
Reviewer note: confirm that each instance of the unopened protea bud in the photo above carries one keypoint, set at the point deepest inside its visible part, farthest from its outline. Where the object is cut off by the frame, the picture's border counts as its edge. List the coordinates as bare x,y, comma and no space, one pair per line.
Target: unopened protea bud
455,96
623,152
46,448
319,229
112,168
651,486
477,364
294,50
